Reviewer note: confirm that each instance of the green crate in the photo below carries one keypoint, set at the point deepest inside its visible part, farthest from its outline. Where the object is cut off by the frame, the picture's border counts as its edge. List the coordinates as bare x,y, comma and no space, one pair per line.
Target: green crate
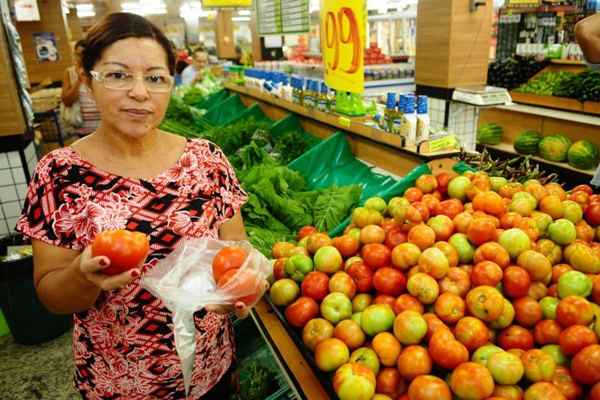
292,123
4,331
225,111
254,111
212,100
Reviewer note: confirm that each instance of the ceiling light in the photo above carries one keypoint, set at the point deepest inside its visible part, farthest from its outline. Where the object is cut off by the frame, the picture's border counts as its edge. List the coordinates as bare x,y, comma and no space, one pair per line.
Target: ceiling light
240,19
85,10
245,12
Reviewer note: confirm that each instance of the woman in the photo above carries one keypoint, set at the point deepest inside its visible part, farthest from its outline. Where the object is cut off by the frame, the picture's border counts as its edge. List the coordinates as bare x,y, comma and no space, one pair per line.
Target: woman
73,91
128,174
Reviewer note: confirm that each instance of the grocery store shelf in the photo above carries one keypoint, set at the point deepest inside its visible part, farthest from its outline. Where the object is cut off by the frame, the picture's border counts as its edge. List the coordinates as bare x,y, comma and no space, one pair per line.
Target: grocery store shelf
352,125
543,9
508,148
568,62
552,113
389,82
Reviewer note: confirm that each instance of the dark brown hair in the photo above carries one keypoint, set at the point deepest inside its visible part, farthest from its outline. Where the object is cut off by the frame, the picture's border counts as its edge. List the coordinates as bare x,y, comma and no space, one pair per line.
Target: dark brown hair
119,26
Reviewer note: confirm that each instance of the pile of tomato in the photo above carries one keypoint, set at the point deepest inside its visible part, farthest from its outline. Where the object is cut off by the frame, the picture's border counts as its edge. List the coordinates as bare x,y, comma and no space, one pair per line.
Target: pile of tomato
465,287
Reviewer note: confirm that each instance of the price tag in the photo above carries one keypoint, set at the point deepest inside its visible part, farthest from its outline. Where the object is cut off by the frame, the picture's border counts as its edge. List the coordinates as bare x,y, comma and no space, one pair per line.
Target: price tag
343,24
345,122
443,143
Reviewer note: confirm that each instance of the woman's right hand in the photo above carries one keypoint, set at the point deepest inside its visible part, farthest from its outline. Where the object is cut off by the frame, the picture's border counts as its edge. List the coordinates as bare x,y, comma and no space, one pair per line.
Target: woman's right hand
91,269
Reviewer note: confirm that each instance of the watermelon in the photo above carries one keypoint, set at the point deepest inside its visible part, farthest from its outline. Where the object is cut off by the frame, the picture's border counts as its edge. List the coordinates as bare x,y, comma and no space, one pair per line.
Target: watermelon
554,147
583,155
527,142
489,134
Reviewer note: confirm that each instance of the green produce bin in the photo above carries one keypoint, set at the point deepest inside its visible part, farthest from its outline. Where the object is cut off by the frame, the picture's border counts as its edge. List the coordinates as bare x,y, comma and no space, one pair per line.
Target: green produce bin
212,100
331,162
4,331
292,123
225,111
28,320
254,111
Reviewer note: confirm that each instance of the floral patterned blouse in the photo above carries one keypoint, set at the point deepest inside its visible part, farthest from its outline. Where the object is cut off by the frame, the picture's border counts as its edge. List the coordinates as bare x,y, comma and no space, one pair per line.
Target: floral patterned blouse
124,346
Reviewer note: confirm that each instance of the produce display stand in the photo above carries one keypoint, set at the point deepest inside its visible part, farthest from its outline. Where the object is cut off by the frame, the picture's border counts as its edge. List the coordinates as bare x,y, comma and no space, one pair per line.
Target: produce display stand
296,360
370,144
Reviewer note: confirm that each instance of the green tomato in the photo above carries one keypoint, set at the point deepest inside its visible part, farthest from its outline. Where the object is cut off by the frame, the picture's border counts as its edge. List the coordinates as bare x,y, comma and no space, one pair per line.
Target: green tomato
549,305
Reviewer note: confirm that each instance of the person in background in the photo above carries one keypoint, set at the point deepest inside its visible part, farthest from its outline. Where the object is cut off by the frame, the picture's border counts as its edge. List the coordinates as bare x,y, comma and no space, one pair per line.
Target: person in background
128,174
180,66
74,90
193,73
587,32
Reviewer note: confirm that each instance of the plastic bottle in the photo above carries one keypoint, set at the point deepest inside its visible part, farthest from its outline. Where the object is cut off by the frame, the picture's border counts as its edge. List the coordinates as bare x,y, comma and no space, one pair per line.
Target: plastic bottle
309,95
323,103
399,115
296,92
410,120
423,121
389,113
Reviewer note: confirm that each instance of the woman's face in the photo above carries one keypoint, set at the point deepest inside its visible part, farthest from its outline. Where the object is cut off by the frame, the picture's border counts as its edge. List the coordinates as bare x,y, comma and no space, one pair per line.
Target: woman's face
135,112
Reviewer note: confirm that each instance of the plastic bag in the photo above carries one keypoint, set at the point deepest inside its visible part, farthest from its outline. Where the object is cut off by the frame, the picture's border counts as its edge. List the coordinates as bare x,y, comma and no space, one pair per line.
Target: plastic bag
184,282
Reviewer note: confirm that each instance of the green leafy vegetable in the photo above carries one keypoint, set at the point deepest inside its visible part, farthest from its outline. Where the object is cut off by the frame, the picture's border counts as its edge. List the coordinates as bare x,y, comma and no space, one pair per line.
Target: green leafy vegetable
333,205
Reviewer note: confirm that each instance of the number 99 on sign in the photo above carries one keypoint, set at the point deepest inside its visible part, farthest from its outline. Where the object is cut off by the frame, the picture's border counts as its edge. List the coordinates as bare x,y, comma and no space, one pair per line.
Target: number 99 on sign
342,38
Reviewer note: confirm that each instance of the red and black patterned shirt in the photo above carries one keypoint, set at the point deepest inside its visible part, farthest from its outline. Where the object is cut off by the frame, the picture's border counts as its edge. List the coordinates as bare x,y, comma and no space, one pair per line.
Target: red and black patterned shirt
124,346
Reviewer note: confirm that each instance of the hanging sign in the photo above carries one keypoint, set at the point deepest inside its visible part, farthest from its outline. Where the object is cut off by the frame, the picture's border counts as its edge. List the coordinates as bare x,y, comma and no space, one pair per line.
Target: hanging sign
226,3
342,44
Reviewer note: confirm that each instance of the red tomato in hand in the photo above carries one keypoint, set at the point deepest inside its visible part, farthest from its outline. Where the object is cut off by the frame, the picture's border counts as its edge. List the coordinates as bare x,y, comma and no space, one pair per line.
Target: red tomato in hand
124,249
226,259
243,283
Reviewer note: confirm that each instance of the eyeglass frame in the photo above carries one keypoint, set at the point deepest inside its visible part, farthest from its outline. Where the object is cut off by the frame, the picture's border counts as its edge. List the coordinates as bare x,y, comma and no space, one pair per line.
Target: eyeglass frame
100,76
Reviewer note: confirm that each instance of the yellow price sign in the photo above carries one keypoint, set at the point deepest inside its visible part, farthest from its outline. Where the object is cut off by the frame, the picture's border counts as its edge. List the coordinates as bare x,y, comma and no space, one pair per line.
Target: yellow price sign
443,143
342,43
345,122
226,3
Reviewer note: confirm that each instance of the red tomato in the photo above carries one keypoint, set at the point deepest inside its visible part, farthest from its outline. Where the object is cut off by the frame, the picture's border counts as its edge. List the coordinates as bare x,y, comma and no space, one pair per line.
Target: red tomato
547,332
279,269
376,255
585,366
124,249
583,188
390,281
346,245
306,231
565,383
527,311
362,277
443,179
575,338
516,282
301,311
515,337
394,237
592,214
226,259
451,208
315,285
385,299
423,210
428,387
407,302
243,283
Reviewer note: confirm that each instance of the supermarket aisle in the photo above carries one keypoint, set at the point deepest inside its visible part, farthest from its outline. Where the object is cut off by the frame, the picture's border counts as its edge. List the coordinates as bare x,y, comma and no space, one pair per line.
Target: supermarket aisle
36,372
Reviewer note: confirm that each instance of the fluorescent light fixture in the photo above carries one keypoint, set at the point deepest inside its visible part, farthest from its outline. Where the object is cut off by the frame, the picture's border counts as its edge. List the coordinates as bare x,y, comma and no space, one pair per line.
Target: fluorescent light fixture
85,10
146,7
192,10
245,12
240,19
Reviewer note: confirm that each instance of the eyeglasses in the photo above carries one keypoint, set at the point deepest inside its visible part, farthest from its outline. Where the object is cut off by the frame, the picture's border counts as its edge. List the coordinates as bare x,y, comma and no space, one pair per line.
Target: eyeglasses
155,82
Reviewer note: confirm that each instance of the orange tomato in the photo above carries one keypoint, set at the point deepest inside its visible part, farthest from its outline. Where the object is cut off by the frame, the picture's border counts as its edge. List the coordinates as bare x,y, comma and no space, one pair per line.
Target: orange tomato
124,249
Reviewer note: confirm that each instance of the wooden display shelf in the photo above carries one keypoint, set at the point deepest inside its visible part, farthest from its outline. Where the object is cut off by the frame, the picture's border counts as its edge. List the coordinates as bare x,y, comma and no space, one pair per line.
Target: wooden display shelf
561,103
353,125
567,62
540,9
508,148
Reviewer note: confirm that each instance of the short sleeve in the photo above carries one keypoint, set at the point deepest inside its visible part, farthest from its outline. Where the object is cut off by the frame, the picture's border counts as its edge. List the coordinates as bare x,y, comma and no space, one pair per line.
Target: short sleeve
43,200
231,192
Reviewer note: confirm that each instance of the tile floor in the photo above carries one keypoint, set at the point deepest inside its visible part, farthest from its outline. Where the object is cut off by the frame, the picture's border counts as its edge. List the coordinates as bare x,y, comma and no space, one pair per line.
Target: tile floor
43,372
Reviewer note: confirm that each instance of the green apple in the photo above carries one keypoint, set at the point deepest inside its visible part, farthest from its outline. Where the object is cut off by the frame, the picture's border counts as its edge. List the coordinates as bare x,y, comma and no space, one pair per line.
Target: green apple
562,232
298,266
377,318
284,292
463,247
336,307
328,259
367,357
574,283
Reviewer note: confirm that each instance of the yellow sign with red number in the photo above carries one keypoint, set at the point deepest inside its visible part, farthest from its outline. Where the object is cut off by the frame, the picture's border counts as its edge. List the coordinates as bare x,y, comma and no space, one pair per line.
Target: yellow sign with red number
343,24
226,3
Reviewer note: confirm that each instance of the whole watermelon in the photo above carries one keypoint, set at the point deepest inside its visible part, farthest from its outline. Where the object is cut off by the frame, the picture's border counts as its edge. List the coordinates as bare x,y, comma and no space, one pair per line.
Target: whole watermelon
583,155
527,142
489,134
554,147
